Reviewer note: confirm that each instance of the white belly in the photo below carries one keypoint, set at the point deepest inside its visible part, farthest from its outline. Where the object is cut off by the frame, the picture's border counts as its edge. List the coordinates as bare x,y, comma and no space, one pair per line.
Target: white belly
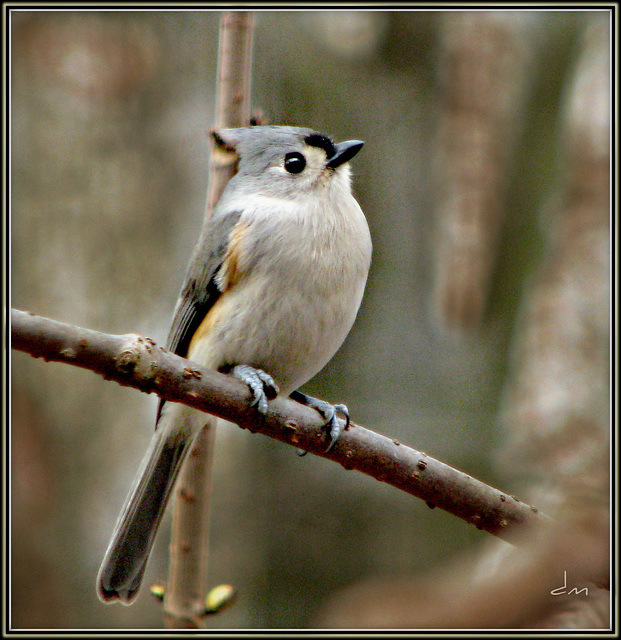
293,302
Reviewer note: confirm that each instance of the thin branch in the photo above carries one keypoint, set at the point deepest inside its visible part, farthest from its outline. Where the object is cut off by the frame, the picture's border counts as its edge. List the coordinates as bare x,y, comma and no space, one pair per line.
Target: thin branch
138,362
233,95
189,549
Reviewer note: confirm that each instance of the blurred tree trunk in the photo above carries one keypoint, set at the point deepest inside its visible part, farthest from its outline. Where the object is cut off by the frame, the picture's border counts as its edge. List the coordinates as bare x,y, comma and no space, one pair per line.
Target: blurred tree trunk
555,412
484,64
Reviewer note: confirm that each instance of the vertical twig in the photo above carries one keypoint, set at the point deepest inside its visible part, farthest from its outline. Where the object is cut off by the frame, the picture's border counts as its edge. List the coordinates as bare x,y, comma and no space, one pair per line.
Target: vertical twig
187,578
232,95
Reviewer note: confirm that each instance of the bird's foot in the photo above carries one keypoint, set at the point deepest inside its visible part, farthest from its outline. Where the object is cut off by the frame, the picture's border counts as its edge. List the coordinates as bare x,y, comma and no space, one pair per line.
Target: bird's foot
261,384
328,412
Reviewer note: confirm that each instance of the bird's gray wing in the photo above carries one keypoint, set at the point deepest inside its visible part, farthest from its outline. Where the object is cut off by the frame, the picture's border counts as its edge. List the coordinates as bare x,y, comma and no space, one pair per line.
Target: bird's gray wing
200,288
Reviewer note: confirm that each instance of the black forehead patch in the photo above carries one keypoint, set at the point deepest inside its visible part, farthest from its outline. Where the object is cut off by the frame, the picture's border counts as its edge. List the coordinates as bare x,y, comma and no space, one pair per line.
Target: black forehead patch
321,141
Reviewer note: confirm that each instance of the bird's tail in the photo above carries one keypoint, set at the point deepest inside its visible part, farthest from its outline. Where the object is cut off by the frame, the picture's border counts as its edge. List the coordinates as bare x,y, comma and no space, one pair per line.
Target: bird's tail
123,566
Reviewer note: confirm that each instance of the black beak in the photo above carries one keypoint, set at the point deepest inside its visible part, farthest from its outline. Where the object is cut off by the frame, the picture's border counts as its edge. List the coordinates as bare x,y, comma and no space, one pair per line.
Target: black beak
345,151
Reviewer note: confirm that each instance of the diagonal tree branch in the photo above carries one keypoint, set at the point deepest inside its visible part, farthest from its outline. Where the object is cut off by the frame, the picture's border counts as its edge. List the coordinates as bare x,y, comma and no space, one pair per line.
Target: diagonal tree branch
139,362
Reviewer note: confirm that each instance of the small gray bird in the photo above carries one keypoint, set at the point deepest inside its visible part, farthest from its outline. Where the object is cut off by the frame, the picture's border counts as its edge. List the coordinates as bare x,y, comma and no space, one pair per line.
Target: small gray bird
272,290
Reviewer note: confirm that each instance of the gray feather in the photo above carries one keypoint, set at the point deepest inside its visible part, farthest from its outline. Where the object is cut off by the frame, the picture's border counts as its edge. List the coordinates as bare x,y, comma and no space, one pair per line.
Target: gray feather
126,558
200,289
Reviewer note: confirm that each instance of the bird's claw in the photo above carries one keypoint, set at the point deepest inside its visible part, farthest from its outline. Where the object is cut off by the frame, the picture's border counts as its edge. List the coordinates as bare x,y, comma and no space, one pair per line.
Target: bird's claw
334,426
328,412
261,384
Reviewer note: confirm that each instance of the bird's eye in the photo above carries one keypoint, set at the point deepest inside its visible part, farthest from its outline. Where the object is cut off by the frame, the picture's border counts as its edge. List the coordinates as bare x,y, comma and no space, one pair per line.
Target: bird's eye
295,162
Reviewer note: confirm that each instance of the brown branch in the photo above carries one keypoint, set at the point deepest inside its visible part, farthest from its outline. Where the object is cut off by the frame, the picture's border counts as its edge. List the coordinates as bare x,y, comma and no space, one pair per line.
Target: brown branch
189,549
138,362
233,95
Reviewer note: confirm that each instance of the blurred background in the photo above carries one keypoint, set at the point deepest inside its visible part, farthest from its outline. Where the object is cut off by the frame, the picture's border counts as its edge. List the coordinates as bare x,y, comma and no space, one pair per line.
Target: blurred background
483,337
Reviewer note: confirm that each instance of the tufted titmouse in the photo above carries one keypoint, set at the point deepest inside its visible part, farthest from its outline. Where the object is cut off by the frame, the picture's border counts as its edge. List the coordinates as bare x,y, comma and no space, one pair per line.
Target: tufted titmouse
272,289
